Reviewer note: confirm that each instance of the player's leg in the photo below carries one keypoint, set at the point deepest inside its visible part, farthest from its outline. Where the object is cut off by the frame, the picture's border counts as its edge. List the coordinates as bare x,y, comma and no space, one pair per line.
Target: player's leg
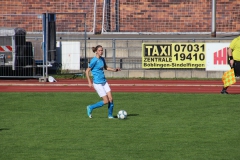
237,68
101,92
110,105
110,99
224,90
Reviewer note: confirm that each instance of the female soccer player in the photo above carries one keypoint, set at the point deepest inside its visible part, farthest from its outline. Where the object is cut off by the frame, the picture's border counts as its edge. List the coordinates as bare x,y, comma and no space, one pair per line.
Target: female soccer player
100,84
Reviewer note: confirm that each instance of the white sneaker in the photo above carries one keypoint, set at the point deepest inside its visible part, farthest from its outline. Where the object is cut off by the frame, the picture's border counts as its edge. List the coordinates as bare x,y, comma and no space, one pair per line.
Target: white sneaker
110,117
89,111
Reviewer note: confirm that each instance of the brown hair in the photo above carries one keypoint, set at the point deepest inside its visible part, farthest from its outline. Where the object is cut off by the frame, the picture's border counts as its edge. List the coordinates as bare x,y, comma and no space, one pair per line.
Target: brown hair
94,49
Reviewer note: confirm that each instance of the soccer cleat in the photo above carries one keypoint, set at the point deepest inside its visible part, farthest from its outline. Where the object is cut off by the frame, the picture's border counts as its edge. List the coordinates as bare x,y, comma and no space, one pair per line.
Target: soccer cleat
110,117
224,91
89,111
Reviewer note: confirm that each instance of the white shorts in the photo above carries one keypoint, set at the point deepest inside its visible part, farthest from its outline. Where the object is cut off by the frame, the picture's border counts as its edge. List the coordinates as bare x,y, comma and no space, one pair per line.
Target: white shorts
102,89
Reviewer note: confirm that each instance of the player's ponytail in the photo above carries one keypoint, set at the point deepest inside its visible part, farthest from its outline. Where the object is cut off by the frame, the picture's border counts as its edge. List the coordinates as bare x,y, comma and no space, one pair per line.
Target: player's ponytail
94,49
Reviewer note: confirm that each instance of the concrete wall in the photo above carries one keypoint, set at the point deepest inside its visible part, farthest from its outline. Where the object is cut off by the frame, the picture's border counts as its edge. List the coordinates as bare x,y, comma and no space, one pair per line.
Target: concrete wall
130,52
164,74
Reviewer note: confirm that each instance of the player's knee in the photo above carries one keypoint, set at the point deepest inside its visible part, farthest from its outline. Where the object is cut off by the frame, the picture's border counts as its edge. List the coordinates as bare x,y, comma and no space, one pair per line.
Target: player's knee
110,99
105,101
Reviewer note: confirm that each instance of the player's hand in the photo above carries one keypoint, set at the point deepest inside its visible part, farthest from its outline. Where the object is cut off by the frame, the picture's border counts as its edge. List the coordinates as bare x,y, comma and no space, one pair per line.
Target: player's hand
90,85
118,69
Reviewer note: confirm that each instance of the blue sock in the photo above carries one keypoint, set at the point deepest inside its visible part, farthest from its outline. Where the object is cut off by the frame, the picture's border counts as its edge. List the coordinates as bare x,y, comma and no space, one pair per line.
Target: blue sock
110,108
96,105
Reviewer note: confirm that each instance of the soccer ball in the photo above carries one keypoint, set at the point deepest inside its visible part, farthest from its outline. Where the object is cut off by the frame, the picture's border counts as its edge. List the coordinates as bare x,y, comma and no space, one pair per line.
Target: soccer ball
122,114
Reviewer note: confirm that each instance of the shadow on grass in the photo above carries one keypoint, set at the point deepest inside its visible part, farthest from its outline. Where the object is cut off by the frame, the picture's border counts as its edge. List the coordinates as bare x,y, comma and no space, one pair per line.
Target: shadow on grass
4,129
130,115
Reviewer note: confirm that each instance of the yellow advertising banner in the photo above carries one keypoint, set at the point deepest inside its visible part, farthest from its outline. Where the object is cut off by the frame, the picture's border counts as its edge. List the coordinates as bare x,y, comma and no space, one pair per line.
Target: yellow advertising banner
174,55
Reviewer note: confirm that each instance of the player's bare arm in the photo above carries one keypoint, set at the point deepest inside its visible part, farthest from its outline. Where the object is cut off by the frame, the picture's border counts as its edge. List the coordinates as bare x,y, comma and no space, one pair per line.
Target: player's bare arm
231,57
112,69
88,78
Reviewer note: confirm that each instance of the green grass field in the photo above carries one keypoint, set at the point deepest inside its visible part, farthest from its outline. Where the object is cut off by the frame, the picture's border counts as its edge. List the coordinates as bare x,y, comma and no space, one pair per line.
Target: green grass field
54,126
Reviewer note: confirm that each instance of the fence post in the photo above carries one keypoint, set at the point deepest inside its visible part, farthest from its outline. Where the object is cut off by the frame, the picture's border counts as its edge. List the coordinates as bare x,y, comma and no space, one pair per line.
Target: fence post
104,5
114,53
117,15
121,63
44,21
213,33
85,43
46,46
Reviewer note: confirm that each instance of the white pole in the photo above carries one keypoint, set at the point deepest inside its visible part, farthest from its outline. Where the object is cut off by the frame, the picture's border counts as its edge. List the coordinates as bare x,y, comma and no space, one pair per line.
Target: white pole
104,5
44,43
213,33
46,66
94,16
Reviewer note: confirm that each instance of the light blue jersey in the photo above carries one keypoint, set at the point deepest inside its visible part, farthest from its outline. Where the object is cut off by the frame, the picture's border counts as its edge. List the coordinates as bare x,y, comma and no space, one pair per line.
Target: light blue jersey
97,66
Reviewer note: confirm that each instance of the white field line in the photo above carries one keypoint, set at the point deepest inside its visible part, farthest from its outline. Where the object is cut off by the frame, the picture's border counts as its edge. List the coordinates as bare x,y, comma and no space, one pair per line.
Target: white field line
157,85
